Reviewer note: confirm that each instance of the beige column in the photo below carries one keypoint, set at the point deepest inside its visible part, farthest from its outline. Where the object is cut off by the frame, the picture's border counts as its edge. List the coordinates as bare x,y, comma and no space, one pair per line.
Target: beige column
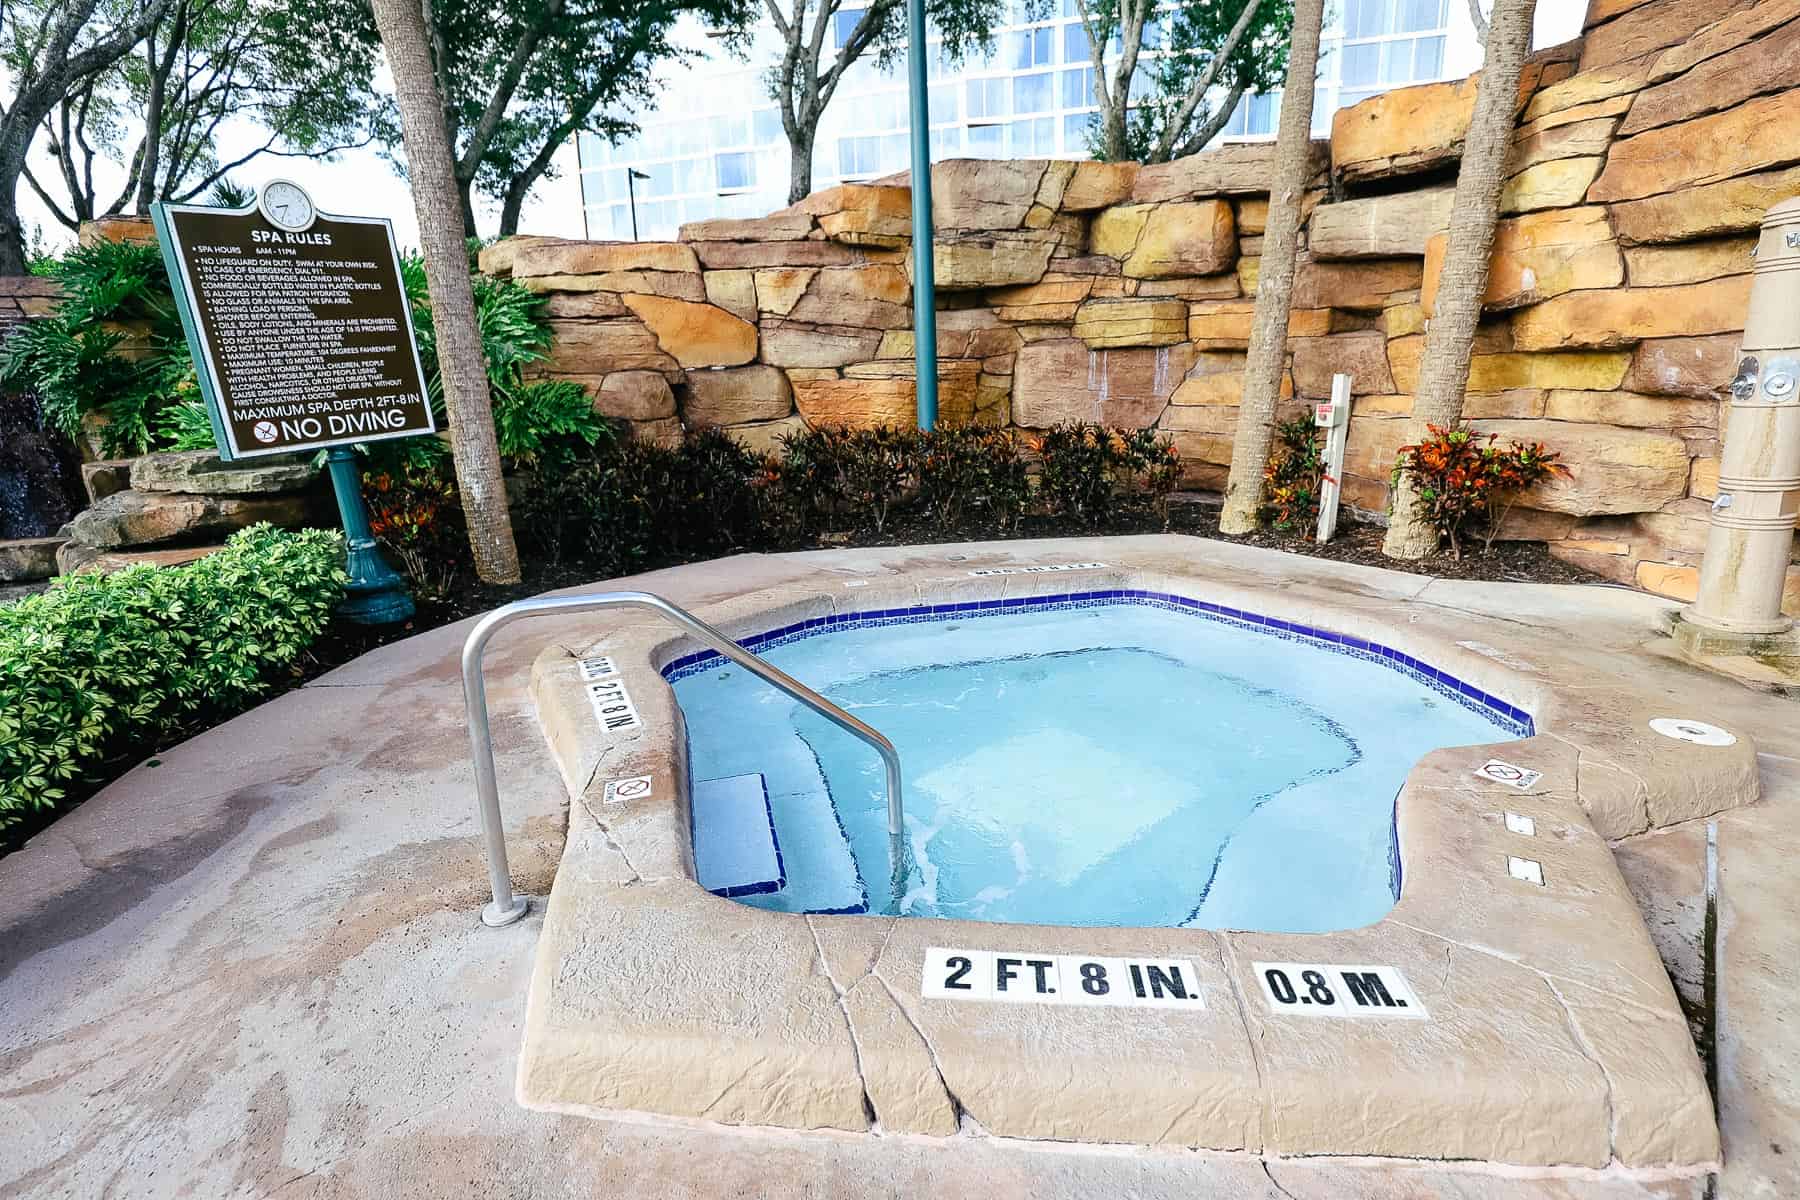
1752,531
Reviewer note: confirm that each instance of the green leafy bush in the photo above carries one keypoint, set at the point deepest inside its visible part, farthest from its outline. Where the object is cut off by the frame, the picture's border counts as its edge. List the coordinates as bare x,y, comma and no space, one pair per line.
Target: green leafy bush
1090,471
102,664
968,473
849,478
113,348
1294,478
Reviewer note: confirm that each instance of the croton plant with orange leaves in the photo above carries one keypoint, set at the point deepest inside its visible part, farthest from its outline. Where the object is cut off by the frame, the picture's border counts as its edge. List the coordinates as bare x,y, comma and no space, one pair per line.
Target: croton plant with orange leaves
1467,483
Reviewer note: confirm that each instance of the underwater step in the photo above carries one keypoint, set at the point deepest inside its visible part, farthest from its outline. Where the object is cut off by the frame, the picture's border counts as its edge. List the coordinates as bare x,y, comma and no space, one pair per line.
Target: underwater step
735,849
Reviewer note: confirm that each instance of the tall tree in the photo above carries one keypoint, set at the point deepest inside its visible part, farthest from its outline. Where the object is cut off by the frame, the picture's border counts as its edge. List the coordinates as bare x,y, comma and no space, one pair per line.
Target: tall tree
1450,334
1275,285
46,46
205,62
461,365
818,50
520,78
1180,69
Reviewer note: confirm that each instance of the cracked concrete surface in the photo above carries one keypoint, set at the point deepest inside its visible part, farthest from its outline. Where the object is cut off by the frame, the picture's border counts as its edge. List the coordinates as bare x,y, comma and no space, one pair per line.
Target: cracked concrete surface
1515,1064
257,969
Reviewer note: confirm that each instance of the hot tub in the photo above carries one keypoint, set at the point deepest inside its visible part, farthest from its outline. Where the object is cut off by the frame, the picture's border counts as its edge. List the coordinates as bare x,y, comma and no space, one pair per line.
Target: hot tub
1107,757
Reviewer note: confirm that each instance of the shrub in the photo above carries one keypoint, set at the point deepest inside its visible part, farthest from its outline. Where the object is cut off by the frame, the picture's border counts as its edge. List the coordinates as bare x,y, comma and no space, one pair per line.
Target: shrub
414,513
849,478
1466,483
81,359
1088,470
1294,478
970,471
102,664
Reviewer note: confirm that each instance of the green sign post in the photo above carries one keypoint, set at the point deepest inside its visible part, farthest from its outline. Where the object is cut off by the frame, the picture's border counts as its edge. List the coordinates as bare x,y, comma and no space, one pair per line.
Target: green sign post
302,340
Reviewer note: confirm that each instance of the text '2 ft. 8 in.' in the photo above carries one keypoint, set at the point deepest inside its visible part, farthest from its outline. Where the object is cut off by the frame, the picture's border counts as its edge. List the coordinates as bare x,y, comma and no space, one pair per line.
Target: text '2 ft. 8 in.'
1024,977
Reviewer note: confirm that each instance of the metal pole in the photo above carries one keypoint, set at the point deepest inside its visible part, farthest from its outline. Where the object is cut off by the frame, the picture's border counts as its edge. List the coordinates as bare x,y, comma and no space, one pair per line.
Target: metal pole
925,375
631,194
507,907
375,595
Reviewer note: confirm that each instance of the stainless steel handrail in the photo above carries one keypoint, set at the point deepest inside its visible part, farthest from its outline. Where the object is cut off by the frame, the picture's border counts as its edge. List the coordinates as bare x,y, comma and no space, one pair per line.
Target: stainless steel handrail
507,907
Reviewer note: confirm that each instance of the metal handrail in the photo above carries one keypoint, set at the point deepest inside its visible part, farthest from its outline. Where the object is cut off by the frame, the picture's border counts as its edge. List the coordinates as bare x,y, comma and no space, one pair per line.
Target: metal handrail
507,907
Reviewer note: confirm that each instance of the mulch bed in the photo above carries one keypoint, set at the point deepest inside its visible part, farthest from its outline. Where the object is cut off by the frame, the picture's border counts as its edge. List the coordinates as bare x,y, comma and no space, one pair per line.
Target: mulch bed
1197,516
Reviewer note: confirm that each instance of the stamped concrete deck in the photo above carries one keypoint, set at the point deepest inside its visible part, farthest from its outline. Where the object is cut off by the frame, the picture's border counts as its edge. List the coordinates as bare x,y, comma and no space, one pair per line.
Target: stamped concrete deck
255,969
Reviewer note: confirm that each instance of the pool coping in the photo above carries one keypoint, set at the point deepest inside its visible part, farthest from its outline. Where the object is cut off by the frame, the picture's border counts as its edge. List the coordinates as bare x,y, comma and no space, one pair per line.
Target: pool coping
650,995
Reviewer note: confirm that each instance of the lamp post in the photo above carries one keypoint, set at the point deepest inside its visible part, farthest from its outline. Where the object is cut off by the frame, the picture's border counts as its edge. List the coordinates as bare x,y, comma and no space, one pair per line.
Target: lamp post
632,175
925,379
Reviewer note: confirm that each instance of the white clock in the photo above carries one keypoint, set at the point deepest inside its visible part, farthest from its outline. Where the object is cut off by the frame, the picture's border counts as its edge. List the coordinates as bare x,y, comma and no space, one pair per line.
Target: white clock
285,205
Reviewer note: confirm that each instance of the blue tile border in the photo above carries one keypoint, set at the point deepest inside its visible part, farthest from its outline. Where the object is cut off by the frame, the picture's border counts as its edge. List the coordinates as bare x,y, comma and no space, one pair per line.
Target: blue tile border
1510,718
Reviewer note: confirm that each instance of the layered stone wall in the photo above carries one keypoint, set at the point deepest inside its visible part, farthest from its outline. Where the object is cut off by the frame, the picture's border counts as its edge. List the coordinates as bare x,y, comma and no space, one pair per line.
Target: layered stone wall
1645,155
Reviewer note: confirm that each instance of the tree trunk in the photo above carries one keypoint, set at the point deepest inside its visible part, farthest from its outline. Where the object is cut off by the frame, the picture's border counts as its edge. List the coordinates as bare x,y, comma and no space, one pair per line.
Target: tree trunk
439,201
800,160
12,235
1275,287
1450,334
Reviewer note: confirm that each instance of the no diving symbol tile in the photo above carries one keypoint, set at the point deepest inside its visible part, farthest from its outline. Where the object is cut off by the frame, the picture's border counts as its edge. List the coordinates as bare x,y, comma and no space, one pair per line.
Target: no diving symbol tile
1505,773
618,791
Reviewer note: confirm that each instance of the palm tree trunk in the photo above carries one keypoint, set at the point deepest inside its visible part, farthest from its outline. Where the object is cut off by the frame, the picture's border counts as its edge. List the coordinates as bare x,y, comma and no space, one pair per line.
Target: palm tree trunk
1275,288
438,201
1450,336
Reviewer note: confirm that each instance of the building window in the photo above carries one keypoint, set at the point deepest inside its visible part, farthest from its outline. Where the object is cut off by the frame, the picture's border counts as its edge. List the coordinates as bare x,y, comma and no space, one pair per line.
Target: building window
1032,93
1380,50
843,24
1254,117
988,97
727,130
1034,138
987,141
1076,47
1031,48
859,157
766,124
946,102
735,171
1078,133
1078,87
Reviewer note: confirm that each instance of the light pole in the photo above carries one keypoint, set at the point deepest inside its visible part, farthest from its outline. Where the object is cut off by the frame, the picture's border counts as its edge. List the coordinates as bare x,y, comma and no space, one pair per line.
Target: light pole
632,175
924,271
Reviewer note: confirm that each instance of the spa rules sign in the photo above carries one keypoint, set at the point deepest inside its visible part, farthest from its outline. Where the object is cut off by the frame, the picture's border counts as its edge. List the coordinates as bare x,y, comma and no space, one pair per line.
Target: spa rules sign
297,321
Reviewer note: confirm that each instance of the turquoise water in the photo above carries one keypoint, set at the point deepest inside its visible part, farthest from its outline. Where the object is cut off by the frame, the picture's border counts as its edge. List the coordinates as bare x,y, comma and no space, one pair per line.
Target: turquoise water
1110,765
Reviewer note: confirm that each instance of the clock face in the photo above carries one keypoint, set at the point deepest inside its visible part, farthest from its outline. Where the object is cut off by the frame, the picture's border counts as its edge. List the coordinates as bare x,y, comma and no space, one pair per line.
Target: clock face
286,205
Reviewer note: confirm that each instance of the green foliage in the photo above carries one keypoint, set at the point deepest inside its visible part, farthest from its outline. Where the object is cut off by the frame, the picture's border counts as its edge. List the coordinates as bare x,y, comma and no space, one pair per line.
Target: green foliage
184,426
544,418
1090,471
849,476
81,359
105,664
153,114
522,77
1172,110
1466,483
413,512
1293,478
971,472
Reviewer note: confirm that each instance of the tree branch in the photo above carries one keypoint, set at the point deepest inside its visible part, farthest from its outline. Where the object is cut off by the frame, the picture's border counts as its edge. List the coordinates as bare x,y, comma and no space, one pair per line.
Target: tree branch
1184,112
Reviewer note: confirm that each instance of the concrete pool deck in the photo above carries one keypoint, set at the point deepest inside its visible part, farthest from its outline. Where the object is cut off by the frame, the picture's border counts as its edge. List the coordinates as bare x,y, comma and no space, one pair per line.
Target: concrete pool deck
255,969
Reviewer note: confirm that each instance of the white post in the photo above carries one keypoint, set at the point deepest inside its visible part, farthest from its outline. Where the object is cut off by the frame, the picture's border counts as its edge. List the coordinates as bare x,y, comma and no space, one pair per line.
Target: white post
1334,417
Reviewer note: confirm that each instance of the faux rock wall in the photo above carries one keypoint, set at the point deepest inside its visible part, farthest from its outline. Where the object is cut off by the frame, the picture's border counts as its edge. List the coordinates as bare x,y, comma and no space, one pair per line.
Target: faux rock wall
1645,155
